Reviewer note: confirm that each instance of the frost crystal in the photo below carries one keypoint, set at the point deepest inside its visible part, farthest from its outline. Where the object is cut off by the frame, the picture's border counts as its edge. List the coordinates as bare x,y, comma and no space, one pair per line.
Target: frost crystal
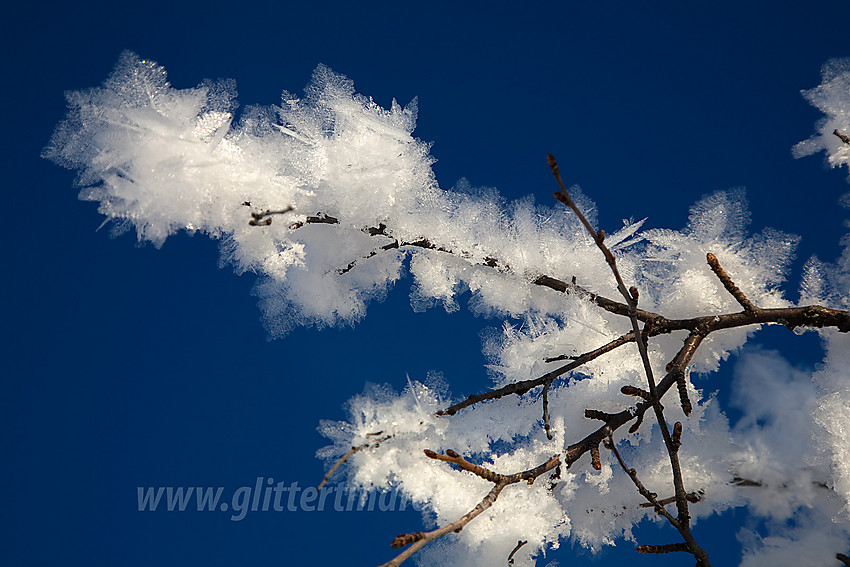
832,97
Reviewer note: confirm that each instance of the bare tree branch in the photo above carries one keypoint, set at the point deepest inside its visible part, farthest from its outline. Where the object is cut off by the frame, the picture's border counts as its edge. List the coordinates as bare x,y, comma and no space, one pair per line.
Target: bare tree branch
631,297
654,325
419,540
522,387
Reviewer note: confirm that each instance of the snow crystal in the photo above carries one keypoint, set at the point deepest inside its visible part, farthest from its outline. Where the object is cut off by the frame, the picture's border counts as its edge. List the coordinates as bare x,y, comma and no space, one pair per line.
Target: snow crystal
832,97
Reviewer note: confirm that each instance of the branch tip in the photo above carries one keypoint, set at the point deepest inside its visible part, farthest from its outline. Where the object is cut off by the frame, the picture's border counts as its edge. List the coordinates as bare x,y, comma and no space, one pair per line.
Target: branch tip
730,286
666,548
677,434
553,164
402,540
595,459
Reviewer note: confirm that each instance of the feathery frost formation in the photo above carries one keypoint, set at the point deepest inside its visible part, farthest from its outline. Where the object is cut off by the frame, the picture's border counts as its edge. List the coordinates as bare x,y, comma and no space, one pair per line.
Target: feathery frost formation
829,284
832,97
366,209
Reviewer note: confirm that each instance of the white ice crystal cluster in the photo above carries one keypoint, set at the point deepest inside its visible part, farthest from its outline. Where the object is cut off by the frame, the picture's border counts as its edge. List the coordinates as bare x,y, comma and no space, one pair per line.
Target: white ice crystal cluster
832,97
357,207
829,284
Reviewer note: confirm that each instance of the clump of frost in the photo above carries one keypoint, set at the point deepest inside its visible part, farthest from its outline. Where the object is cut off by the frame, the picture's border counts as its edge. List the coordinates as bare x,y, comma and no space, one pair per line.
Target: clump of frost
681,284
829,284
363,208
833,407
160,159
832,97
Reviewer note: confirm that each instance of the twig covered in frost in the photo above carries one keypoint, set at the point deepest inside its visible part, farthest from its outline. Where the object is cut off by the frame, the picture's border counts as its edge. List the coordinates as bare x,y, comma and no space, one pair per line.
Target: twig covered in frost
522,387
658,505
371,445
631,297
727,282
418,540
651,497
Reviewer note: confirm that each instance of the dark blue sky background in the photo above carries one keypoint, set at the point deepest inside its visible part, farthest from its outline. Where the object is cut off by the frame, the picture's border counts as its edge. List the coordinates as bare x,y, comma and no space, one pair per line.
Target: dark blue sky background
127,366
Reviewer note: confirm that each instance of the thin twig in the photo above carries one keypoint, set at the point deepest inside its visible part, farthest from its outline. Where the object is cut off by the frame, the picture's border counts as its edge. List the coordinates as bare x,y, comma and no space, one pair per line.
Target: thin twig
264,218
546,425
727,282
519,544
665,548
420,539
522,387
348,455
650,496
693,498
631,300
844,137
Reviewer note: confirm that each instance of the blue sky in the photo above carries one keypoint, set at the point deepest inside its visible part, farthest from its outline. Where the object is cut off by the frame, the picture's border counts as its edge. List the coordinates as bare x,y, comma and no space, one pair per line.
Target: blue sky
127,366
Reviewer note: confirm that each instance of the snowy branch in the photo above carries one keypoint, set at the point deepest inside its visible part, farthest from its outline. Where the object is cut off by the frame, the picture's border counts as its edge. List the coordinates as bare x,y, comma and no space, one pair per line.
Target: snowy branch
500,481
342,203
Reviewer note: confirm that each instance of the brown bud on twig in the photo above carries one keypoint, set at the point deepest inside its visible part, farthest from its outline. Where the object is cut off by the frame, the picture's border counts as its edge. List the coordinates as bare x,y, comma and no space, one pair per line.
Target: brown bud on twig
594,458
452,454
677,434
550,159
596,414
683,394
405,539
636,425
633,291
844,137
694,497
635,391
430,454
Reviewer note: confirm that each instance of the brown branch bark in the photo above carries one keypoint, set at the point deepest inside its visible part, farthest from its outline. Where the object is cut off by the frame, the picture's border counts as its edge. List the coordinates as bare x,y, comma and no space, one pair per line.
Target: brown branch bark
727,282
500,481
522,387
791,317
650,496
